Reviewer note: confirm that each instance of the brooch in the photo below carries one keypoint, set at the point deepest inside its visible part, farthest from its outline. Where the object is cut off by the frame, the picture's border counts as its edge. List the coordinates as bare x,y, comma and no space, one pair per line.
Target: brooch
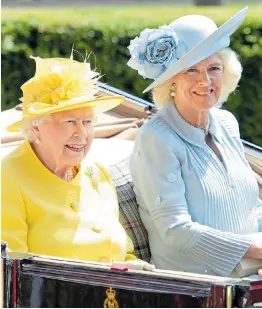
89,171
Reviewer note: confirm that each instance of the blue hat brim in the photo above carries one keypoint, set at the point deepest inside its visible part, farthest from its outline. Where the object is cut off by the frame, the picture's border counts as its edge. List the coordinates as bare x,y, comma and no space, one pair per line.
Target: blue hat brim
216,41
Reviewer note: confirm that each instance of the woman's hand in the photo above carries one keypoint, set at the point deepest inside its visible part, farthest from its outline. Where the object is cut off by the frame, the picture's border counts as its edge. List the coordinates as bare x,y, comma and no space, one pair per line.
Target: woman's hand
134,264
254,251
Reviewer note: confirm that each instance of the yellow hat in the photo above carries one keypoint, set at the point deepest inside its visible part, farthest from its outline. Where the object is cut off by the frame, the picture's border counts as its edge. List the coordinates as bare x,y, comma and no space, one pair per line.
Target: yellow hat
61,84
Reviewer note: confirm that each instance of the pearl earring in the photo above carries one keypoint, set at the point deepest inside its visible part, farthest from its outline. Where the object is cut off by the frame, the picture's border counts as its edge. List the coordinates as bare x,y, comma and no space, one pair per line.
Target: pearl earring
173,90
37,140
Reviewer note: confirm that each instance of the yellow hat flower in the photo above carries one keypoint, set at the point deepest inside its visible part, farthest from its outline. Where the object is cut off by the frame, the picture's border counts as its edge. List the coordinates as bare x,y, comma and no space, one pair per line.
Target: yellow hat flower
62,84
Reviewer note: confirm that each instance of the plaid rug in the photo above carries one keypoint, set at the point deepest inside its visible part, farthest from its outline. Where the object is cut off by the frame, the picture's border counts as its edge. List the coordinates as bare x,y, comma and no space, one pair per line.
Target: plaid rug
128,209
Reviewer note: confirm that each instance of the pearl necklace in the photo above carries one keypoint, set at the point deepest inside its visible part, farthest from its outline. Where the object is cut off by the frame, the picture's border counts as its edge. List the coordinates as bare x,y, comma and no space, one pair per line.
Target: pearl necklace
205,129
69,176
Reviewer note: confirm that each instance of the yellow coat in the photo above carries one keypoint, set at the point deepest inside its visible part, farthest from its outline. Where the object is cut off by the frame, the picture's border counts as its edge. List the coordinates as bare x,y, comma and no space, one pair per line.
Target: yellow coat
43,214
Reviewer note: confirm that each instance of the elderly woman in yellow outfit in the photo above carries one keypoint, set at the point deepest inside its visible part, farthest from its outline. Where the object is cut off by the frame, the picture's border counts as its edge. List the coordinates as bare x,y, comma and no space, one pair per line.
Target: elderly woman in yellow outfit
53,202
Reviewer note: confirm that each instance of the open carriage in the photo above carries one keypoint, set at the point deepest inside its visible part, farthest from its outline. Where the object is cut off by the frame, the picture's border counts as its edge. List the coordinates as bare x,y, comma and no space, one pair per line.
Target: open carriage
42,281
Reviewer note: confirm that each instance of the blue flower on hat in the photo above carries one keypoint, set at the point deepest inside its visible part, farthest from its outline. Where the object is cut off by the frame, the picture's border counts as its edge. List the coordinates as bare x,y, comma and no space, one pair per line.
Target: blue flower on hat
154,50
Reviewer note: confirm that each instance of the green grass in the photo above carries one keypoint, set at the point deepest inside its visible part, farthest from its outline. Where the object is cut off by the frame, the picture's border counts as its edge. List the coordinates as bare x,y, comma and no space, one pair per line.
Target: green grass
121,15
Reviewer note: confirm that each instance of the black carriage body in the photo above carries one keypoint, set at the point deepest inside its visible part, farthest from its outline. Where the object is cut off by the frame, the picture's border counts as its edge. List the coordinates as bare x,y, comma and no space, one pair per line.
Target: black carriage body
34,281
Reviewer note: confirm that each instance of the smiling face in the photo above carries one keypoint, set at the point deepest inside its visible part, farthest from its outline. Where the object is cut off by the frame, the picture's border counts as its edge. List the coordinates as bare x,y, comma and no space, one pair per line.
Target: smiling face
199,86
65,137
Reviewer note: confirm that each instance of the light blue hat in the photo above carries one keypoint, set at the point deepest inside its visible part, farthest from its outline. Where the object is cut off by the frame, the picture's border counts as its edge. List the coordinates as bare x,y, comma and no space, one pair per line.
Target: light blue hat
161,53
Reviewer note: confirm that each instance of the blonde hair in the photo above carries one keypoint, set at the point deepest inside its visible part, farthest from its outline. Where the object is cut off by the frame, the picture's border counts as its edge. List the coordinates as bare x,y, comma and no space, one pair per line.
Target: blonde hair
27,125
231,76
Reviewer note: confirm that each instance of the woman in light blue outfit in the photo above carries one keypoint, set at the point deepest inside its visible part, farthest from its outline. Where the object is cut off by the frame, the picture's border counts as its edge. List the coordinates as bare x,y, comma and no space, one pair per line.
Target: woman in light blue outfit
197,195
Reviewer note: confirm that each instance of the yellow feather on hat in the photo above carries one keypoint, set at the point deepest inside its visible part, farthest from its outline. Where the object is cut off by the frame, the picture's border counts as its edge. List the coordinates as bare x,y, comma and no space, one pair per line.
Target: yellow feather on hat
62,84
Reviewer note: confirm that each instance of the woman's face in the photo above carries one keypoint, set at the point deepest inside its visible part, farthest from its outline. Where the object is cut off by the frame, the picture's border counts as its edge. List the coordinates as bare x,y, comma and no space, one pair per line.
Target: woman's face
199,86
65,137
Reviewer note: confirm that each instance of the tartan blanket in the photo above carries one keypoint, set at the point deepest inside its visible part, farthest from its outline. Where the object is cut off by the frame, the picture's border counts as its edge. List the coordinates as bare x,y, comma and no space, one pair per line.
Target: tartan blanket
128,209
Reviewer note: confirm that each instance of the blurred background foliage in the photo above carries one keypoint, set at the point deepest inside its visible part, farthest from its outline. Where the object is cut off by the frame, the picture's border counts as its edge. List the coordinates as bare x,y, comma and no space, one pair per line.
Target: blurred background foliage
105,34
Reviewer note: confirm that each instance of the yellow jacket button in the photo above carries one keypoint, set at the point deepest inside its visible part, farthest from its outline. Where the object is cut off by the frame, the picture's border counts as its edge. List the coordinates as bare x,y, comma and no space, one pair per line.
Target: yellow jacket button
96,230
